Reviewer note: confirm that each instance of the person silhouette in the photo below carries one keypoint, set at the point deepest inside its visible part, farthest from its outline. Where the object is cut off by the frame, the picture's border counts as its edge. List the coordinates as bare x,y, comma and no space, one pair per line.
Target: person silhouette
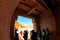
33,35
21,32
44,34
40,35
48,34
25,35
16,35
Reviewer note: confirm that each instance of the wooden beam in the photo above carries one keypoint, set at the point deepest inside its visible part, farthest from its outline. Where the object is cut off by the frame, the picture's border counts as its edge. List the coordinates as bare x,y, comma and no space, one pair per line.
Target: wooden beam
27,9
39,7
21,6
33,3
26,4
34,12
31,11
23,13
42,3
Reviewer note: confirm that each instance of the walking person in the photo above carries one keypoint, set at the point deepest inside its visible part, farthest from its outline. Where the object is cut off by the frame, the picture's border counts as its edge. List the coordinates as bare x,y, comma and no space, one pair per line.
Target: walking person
16,35
33,35
44,34
25,35
48,34
40,35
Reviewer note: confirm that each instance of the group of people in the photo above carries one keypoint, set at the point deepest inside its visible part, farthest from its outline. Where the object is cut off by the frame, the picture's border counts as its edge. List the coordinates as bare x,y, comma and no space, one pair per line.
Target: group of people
43,35
32,33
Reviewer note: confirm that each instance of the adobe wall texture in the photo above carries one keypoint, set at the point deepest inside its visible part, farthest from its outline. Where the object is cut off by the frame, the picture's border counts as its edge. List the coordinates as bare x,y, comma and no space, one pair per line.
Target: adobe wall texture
47,21
57,19
7,8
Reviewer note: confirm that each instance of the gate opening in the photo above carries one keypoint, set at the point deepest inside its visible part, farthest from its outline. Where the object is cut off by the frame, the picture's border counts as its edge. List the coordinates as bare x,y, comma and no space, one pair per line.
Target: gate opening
22,24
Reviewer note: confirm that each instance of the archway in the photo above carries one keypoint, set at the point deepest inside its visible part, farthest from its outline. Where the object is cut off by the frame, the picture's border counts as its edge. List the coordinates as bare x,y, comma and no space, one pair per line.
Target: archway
14,18
44,19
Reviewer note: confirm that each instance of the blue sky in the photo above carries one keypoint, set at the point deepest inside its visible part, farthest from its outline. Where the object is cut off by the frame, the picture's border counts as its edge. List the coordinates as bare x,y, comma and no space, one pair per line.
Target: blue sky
24,20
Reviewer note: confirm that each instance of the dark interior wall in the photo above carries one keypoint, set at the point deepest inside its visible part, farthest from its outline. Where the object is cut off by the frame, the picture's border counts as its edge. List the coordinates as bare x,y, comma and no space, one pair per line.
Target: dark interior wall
7,8
51,4
13,19
47,20
57,18
56,11
54,5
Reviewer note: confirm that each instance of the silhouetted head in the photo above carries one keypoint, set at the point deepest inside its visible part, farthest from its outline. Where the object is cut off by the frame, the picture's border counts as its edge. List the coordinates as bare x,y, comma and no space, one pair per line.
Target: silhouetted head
15,29
24,31
47,29
32,31
43,30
